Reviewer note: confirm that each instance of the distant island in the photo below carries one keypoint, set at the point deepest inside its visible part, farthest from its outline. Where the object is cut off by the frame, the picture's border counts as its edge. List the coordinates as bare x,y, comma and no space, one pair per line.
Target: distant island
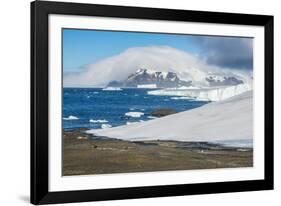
147,78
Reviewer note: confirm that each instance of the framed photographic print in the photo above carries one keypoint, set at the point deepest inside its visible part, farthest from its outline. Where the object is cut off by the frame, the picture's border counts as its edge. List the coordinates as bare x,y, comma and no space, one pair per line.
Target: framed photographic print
131,102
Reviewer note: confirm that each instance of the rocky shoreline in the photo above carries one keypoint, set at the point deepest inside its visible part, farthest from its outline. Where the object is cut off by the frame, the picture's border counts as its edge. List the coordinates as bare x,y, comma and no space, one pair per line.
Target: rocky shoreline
86,154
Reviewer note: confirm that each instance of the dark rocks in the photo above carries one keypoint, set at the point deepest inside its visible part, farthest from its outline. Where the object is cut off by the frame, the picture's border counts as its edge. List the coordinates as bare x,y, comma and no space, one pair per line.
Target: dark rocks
163,112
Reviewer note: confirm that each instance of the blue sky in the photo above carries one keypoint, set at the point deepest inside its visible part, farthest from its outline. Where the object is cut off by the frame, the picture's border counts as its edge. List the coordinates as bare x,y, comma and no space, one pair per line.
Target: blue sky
83,47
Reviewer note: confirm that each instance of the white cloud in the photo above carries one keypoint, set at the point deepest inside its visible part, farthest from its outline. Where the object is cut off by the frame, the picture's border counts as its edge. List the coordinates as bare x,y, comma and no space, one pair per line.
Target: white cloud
158,58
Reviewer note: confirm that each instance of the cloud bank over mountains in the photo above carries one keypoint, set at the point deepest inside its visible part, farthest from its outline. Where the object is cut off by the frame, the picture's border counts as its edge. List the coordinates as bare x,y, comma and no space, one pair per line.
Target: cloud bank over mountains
163,58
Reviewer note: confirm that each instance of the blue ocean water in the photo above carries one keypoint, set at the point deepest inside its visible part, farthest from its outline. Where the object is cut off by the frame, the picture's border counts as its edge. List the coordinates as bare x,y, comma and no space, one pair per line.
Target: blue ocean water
93,107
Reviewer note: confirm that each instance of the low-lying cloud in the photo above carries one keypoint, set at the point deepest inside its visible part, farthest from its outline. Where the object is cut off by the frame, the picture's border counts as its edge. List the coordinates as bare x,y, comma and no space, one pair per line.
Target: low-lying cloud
158,58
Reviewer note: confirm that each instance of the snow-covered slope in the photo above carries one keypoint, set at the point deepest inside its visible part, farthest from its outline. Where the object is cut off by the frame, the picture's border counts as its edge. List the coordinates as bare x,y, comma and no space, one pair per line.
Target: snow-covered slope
230,119
208,94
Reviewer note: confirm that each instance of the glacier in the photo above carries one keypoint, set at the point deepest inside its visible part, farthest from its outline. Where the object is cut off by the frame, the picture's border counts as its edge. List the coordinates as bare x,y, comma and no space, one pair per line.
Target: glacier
228,120
205,94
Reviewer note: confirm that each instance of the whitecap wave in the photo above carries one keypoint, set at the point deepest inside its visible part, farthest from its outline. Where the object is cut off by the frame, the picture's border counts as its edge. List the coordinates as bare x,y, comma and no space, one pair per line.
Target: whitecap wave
134,114
71,117
98,121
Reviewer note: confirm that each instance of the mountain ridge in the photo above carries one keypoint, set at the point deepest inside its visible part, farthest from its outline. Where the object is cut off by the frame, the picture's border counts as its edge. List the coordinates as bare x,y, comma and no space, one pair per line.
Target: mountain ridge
170,79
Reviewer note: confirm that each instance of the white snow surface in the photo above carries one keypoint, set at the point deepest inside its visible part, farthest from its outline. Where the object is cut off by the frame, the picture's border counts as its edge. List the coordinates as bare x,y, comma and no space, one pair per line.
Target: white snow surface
207,94
230,119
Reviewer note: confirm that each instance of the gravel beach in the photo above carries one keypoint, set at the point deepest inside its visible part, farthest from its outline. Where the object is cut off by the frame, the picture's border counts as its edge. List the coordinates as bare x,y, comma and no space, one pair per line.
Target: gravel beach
84,154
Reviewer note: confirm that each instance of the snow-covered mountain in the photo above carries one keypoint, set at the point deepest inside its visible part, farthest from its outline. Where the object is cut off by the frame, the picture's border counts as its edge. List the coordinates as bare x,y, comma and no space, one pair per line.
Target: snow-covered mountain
171,79
148,77
198,85
227,120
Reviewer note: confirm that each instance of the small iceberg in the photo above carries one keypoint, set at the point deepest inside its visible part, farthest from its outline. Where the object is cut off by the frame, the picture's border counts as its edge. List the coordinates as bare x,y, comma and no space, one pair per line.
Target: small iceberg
147,86
98,121
134,114
70,117
105,126
181,98
112,89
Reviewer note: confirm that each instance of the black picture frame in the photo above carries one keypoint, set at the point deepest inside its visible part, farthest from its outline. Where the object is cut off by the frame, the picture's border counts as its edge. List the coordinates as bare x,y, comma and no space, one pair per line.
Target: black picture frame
40,112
